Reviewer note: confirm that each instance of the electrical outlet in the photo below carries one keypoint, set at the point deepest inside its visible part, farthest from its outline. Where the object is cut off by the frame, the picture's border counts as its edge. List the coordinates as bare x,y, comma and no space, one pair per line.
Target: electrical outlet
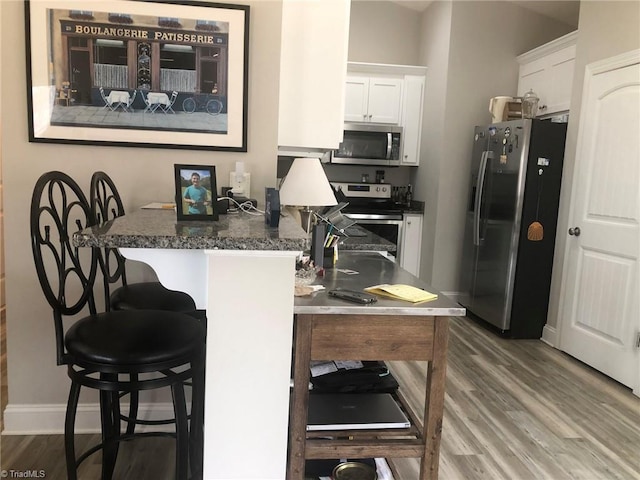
240,184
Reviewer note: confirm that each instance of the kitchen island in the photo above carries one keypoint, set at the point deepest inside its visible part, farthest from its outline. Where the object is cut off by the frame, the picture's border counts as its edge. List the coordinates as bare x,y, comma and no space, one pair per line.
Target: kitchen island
328,329
243,273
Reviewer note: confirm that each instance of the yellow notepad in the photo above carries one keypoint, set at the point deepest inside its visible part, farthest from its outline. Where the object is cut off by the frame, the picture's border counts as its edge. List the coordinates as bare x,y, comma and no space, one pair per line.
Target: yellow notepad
402,292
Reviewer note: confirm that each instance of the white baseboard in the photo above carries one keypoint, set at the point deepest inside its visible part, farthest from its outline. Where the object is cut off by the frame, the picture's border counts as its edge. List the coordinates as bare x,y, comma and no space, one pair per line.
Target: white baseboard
49,418
550,336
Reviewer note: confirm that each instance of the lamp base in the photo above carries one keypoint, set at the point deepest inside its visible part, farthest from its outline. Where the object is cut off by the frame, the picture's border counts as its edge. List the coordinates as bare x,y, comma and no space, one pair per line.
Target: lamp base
306,215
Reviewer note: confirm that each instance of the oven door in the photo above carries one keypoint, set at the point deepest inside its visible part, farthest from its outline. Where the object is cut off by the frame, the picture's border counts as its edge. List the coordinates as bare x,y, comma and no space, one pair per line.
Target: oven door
388,227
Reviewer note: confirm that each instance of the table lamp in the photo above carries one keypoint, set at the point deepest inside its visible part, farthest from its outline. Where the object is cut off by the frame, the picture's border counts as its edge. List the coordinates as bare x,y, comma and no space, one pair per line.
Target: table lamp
306,186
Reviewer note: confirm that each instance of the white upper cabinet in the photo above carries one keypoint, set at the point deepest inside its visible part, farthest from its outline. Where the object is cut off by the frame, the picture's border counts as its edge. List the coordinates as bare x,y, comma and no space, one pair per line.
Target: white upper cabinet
412,101
373,99
388,94
313,69
548,71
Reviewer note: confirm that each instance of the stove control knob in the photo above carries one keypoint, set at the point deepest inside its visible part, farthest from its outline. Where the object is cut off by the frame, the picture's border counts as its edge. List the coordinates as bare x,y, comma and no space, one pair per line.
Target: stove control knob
384,189
377,189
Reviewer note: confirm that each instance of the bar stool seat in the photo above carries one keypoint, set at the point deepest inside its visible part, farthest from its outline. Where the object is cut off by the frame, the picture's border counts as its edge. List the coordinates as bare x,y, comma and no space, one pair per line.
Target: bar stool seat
134,341
150,296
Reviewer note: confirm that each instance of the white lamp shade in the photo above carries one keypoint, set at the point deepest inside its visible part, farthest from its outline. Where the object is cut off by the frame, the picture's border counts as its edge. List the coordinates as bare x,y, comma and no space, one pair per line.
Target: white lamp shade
306,185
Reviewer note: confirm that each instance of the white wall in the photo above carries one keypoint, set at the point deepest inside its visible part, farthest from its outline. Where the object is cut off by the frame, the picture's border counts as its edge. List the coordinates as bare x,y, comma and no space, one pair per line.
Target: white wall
606,29
383,32
434,53
141,174
483,41
379,32
2,276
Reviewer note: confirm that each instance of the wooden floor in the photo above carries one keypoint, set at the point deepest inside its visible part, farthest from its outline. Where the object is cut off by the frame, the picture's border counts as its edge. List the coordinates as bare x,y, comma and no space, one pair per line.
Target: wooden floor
514,410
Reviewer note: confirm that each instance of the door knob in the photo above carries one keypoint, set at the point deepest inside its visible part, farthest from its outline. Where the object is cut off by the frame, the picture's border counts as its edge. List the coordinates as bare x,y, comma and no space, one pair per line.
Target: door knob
574,231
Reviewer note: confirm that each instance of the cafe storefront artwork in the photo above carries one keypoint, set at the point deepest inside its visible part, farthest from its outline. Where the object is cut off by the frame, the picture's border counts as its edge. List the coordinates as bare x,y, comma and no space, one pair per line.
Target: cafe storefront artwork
120,75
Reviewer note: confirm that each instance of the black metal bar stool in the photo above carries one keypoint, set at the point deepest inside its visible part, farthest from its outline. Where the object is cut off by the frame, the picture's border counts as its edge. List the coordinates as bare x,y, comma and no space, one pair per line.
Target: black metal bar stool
106,204
116,351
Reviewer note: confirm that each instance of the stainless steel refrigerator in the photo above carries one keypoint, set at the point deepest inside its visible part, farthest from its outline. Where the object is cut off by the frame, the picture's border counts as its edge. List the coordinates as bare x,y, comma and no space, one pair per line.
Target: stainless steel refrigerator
510,225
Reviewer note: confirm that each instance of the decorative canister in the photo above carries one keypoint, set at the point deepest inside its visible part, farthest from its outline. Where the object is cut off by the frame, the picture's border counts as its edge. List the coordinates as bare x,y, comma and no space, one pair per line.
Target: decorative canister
354,471
530,104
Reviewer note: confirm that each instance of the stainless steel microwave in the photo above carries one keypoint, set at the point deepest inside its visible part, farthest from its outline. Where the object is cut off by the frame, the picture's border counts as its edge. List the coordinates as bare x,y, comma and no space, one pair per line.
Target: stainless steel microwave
365,144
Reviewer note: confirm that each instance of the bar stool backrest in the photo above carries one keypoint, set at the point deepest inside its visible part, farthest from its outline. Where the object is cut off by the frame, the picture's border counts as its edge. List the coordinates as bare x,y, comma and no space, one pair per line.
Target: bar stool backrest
66,273
106,205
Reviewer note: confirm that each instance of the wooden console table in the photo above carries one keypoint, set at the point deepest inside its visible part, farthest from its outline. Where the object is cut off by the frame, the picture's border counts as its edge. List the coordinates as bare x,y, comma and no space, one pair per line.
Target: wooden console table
332,329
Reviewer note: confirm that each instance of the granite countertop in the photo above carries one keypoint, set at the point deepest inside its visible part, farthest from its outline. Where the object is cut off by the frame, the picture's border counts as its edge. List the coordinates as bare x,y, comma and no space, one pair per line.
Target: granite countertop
160,229
373,269
365,241
240,231
415,207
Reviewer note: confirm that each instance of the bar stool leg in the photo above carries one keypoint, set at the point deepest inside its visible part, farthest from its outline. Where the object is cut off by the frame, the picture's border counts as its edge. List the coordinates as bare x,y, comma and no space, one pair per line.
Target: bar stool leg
182,431
109,442
134,399
197,420
69,433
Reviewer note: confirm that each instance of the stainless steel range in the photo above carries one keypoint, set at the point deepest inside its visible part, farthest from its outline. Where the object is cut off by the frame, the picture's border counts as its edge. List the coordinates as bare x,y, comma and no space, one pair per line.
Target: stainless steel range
371,206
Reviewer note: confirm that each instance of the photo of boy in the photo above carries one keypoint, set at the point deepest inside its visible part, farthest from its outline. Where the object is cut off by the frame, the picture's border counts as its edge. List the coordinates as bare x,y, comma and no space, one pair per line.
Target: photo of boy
196,198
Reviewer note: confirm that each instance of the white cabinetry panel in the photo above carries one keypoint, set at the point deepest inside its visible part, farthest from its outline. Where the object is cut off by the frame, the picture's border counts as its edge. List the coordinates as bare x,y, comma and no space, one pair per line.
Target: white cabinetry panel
411,243
384,100
548,71
311,109
413,98
356,99
372,99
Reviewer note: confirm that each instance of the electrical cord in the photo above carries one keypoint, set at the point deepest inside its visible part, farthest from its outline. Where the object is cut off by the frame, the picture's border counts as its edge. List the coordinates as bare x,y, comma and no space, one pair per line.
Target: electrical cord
246,207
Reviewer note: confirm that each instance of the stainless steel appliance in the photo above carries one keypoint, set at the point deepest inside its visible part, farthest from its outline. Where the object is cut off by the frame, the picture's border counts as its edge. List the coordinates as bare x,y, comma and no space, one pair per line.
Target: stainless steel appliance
371,206
366,144
516,168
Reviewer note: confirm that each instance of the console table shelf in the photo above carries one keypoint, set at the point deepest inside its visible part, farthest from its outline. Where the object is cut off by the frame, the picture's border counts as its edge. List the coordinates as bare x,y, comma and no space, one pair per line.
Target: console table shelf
370,337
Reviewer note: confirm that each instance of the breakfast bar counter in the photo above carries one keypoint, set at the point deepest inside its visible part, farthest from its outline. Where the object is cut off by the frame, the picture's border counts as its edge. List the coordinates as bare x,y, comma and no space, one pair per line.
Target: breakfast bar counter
243,273
158,228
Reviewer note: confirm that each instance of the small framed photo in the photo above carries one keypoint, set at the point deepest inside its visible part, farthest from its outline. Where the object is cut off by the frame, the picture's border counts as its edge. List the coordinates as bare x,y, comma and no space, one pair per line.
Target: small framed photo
196,192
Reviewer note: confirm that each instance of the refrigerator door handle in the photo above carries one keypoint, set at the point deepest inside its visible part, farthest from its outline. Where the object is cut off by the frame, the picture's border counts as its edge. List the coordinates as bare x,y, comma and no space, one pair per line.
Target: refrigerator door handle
478,200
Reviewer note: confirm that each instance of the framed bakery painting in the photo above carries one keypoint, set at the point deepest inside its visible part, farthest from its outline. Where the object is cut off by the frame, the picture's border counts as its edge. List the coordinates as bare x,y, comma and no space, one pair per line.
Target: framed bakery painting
138,73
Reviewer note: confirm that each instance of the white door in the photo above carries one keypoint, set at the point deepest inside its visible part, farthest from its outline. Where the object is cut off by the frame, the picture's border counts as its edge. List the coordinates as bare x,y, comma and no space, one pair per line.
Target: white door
601,289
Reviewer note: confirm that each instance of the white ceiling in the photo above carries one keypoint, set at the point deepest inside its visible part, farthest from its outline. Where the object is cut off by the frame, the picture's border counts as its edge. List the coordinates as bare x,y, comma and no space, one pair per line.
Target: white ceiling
565,11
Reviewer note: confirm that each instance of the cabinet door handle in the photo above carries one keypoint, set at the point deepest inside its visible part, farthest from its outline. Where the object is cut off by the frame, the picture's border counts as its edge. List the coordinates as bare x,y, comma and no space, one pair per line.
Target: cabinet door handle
542,107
